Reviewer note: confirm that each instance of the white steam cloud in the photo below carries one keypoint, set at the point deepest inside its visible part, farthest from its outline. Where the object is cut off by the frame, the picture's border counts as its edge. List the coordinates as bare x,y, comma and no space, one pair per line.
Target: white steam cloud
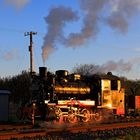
114,13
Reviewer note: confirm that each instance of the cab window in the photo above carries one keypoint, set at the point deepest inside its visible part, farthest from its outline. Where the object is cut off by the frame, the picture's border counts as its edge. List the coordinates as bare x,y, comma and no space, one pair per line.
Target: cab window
114,85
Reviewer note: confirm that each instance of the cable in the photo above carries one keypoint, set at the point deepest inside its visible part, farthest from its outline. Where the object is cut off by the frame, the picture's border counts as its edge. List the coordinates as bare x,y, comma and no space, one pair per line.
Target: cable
5,29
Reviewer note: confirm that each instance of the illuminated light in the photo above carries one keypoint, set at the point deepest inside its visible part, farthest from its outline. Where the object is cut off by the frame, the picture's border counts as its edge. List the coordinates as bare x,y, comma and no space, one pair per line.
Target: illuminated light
63,101
109,105
46,101
77,76
74,90
77,102
87,103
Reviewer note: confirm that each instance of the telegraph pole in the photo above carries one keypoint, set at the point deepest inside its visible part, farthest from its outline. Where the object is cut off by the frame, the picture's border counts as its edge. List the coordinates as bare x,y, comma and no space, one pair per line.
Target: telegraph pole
31,68
31,49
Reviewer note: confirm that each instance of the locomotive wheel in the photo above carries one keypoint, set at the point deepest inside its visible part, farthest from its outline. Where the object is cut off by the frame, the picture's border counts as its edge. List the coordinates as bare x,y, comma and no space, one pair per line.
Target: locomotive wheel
58,112
85,115
60,116
98,116
71,116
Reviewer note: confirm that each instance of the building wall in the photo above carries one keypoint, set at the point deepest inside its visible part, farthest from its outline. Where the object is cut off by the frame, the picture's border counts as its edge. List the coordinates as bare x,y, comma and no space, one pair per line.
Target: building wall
4,105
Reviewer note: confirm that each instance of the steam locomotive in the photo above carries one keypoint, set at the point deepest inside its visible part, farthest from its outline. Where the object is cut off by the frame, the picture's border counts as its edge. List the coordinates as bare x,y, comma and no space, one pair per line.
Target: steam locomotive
74,97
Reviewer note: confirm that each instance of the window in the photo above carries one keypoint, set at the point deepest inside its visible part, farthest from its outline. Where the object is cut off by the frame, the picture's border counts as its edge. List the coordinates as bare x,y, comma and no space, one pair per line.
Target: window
114,85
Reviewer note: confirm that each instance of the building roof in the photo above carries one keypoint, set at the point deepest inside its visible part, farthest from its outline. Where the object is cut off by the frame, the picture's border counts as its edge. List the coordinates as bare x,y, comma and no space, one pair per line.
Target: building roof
4,92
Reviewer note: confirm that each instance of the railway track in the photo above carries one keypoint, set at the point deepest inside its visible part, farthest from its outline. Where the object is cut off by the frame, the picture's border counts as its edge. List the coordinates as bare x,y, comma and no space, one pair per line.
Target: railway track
28,131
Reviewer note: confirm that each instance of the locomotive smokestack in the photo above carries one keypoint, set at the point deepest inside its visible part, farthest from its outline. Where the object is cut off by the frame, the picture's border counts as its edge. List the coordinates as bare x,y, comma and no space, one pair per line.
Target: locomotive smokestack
42,72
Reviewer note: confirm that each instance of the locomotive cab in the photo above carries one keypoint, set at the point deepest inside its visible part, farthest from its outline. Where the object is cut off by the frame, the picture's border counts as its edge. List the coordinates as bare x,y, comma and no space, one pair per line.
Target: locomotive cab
111,95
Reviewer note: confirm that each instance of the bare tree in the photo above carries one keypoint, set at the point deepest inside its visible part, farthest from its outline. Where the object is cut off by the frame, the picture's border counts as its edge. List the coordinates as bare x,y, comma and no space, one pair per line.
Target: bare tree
132,87
86,69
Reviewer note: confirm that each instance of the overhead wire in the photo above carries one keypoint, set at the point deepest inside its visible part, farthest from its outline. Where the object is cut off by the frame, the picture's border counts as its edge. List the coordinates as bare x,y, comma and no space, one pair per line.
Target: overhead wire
7,29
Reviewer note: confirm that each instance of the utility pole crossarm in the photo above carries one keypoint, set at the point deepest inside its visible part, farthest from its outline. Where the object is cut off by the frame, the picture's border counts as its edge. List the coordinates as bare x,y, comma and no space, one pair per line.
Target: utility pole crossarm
31,48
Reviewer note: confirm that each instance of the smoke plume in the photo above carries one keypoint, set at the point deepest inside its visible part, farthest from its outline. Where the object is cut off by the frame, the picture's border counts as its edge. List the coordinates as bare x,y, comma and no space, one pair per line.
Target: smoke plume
56,20
113,66
113,13
92,9
18,4
116,66
121,12
119,66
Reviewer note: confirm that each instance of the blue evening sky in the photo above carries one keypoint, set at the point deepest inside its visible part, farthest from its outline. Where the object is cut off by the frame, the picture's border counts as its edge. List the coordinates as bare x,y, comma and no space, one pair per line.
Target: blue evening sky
108,45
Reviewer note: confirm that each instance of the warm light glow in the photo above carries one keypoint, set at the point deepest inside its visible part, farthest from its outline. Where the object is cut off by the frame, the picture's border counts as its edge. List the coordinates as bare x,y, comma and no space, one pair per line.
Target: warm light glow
46,101
74,90
109,105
